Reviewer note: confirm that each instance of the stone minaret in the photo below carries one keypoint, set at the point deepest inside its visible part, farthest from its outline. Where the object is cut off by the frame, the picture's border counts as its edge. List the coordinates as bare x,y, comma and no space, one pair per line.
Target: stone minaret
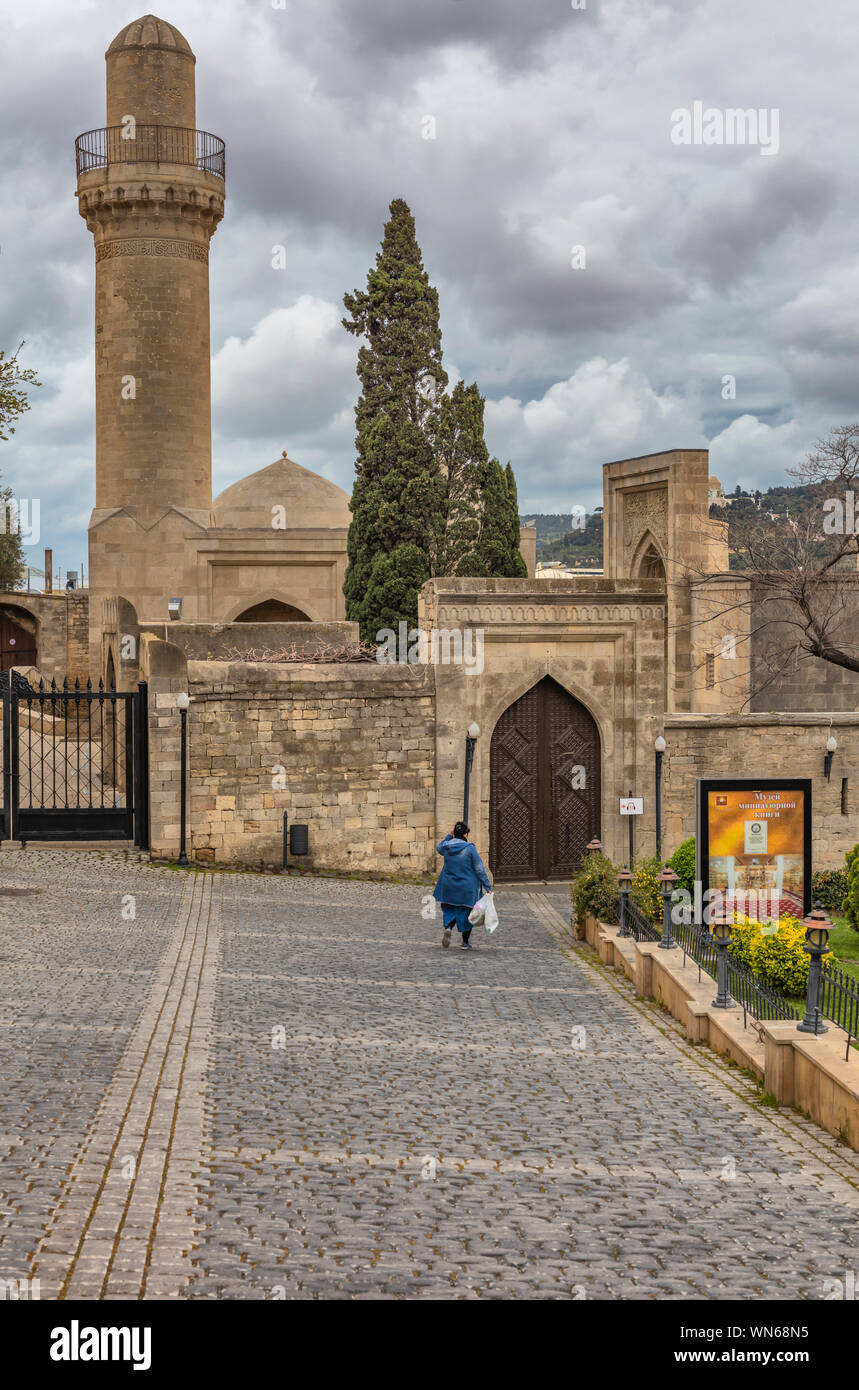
151,189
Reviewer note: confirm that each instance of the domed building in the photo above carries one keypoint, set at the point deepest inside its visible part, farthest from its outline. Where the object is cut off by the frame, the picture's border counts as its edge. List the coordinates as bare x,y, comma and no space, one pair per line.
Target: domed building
276,550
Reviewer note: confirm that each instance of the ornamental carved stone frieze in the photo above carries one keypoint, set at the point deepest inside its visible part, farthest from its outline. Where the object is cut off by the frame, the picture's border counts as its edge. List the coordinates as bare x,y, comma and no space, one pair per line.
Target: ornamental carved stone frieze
152,246
540,613
645,511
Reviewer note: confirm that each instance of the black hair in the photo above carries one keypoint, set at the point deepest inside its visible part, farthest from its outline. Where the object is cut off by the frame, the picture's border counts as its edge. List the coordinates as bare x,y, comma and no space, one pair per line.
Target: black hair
460,830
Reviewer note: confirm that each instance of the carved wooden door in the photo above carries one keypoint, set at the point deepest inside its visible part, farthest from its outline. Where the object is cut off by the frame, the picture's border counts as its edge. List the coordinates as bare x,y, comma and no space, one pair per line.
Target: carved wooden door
17,646
545,785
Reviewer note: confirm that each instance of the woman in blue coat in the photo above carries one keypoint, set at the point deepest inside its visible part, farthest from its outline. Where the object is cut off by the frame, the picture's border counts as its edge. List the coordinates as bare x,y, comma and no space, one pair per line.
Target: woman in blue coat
462,881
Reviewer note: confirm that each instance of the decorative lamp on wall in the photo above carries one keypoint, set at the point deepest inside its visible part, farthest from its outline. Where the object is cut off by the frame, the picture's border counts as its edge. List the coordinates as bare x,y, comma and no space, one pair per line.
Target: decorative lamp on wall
831,745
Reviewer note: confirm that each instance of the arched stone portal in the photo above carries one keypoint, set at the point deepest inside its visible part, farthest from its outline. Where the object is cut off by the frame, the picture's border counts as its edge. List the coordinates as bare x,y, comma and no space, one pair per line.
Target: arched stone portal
272,611
545,789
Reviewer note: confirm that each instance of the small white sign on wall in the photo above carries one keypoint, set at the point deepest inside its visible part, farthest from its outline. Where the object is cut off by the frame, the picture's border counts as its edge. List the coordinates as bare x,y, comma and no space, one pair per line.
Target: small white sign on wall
632,805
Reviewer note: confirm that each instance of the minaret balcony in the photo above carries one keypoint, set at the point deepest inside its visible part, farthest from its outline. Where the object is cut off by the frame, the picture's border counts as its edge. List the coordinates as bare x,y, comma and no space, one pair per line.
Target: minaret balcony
150,144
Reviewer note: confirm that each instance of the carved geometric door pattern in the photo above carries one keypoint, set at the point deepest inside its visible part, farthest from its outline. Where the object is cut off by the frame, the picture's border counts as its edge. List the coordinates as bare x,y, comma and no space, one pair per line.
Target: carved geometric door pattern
544,804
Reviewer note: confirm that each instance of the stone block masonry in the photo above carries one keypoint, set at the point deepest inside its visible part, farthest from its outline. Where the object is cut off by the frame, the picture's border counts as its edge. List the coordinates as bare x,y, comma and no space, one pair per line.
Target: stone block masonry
60,624
767,745
348,750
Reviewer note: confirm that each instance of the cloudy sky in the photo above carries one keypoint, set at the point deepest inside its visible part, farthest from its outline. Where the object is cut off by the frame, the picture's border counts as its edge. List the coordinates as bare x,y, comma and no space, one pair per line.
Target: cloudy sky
554,129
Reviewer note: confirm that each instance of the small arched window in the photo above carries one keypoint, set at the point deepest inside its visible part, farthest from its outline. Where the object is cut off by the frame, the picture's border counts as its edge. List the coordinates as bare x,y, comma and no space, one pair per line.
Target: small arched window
651,566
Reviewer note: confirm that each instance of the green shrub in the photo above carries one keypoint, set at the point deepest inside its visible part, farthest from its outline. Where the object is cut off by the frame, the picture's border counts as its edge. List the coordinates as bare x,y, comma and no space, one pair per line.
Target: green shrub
682,862
742,935
829,887
776,957
644,889
850,905
594,890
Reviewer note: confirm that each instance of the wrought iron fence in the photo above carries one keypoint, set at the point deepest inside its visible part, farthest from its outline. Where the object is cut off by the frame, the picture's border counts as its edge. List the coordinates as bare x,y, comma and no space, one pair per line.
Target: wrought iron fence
150,144
639,924
752,995
838,1000
756,998
697,942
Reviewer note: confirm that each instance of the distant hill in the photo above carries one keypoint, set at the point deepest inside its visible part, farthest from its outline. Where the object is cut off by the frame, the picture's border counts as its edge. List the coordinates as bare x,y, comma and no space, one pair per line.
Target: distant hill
558,539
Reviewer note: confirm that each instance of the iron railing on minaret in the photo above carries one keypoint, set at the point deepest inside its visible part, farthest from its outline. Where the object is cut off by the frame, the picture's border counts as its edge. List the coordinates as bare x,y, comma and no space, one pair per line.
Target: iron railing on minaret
150,144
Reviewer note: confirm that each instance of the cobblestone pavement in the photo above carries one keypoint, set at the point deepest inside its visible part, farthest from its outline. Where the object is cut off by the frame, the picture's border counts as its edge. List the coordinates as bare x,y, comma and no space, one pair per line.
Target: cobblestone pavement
240,1086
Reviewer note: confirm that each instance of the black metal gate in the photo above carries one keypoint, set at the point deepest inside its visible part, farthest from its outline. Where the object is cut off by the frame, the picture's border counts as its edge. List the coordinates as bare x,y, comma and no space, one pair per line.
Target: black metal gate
75,762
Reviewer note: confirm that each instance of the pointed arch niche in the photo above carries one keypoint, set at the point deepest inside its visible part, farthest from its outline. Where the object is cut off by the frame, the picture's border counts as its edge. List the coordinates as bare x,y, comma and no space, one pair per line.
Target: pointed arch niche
272,610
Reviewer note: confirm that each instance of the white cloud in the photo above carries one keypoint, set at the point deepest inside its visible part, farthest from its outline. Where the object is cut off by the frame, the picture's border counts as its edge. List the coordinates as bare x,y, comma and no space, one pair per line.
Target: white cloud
292,374
603,411
755,454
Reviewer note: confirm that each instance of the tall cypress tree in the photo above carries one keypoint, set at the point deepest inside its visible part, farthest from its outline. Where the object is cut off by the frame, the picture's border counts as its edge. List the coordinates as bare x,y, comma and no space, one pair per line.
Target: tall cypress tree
482,533
428,500
398,498
497,555
464,459
515,567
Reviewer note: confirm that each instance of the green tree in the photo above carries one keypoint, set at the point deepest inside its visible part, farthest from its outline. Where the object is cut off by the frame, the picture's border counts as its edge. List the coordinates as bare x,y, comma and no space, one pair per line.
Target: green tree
428,499
12,563
850,906
14,380
398,498
682,862
515,567
14,402
464,460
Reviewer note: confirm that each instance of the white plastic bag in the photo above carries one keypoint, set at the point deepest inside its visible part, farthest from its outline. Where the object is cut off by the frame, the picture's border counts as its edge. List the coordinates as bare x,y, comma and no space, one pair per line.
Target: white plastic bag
475,916
484,911
490,916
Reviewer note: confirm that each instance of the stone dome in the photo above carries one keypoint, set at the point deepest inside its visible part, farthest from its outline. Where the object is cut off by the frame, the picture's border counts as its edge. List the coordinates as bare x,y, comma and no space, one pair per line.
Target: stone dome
310,501
151,32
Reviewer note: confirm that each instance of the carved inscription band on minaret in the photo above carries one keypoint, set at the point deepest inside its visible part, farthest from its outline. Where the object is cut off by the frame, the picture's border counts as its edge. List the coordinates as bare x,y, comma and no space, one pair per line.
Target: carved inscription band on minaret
152,246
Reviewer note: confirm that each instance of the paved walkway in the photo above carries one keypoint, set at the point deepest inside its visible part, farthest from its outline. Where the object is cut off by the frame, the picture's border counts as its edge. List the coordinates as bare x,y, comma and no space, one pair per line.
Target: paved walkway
239,1086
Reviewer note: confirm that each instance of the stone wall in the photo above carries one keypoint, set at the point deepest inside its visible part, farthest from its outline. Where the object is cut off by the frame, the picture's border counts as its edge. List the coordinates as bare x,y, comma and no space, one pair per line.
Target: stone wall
772,745
62,626
348,750
226,641
807,683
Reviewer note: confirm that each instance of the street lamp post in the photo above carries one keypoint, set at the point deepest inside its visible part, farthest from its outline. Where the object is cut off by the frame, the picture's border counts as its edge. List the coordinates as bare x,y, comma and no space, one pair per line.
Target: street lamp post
667,880
722,937
817,927
659,749
624,879
471,738
183,703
